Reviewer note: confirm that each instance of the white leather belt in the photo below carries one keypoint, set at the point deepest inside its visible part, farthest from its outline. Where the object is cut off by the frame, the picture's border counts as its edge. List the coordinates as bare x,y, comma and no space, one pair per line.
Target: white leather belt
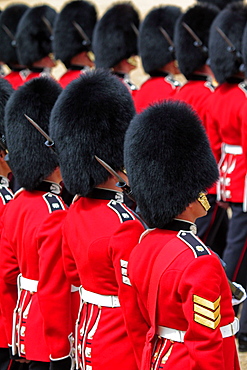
178,335
28,284
232,149
99,299
74,288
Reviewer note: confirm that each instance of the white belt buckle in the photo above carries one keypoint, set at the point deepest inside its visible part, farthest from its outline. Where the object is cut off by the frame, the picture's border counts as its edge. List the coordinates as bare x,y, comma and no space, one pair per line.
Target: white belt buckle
115,301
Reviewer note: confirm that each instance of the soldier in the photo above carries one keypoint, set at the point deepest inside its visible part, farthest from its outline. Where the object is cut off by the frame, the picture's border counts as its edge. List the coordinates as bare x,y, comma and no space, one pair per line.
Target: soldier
226,130
34,40
191,44
73,37
9,20
157,52
6,195
182,290
115,41
30,228
102,109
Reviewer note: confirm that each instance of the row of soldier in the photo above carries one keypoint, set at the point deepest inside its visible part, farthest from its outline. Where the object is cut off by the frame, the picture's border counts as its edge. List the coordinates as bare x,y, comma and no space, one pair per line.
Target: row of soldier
90,118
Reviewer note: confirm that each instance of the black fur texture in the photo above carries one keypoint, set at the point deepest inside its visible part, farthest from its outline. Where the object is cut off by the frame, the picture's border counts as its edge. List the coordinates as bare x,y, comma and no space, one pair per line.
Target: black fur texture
5,92
10,18
90,118
168,161
199,18
114,38
67,41
33,37
30,159
219,3
231,21
154,49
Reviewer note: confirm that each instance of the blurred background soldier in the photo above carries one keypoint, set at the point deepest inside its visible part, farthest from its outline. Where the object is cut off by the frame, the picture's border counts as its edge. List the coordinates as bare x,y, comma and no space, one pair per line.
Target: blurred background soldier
182,289
6,195
225,128
191,45
157,52
34,40
90,118
36,169
9,20
115,41
72,38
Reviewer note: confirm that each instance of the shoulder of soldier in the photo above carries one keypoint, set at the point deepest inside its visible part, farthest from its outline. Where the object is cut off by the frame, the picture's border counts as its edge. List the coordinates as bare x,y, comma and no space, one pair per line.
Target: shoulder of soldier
194,243
243,87
121,210
53,202
5,194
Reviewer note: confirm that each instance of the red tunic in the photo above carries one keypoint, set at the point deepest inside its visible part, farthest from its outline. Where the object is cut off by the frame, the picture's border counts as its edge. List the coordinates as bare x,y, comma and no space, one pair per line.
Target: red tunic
154,90
71,75
16,78
30,233
225,126
190,293
101,261
5,196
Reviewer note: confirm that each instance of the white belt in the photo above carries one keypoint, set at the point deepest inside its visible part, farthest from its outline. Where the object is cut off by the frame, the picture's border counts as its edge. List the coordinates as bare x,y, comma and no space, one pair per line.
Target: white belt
178,335
32,285
232,149
28,284
99,299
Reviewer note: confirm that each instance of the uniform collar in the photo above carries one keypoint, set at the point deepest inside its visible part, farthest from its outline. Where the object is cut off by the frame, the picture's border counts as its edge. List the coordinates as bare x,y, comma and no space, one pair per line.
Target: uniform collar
106,194
74,67
48,186
177,225
158,74
4,181
197,77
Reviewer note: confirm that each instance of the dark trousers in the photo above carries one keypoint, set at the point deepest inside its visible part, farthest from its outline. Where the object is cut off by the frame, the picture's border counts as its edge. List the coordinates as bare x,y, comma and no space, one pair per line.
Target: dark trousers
38,365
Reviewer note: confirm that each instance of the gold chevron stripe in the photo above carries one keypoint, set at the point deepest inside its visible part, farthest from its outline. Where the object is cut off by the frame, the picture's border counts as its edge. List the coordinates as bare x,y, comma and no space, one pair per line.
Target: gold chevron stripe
206,303
207,313
206,322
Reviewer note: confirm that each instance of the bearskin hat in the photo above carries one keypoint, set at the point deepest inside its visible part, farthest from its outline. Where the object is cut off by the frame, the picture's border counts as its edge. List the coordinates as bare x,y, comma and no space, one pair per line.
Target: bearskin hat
9,20
226,60
114,37
154,49
30,160
34,34
68,42
190,54
219,3
5,91
90,118
166,169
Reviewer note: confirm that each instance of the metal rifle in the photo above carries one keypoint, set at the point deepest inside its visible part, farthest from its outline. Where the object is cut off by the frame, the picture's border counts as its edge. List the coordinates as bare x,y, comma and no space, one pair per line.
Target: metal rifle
121,183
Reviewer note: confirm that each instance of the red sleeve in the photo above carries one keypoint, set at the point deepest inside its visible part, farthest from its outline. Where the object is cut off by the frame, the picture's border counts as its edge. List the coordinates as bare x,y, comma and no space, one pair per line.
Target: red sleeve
202,279
9,271
213,131
122,243
68,260
54,290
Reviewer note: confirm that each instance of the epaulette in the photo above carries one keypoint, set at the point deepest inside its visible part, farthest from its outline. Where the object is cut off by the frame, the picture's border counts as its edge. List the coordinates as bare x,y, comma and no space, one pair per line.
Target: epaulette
243,87
194,243
5,194
121,211
174,83
53,202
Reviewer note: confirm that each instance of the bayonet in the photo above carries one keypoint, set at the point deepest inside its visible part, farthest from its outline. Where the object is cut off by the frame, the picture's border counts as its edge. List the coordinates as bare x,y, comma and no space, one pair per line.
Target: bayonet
121,183
82,33
49,142
198,42
168,39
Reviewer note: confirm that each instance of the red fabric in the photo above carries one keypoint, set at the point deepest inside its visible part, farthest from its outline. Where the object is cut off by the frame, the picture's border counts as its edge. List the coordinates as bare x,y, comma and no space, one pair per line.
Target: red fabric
186,276
90,247
154,90
21,251
69,76
225,125
16,79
